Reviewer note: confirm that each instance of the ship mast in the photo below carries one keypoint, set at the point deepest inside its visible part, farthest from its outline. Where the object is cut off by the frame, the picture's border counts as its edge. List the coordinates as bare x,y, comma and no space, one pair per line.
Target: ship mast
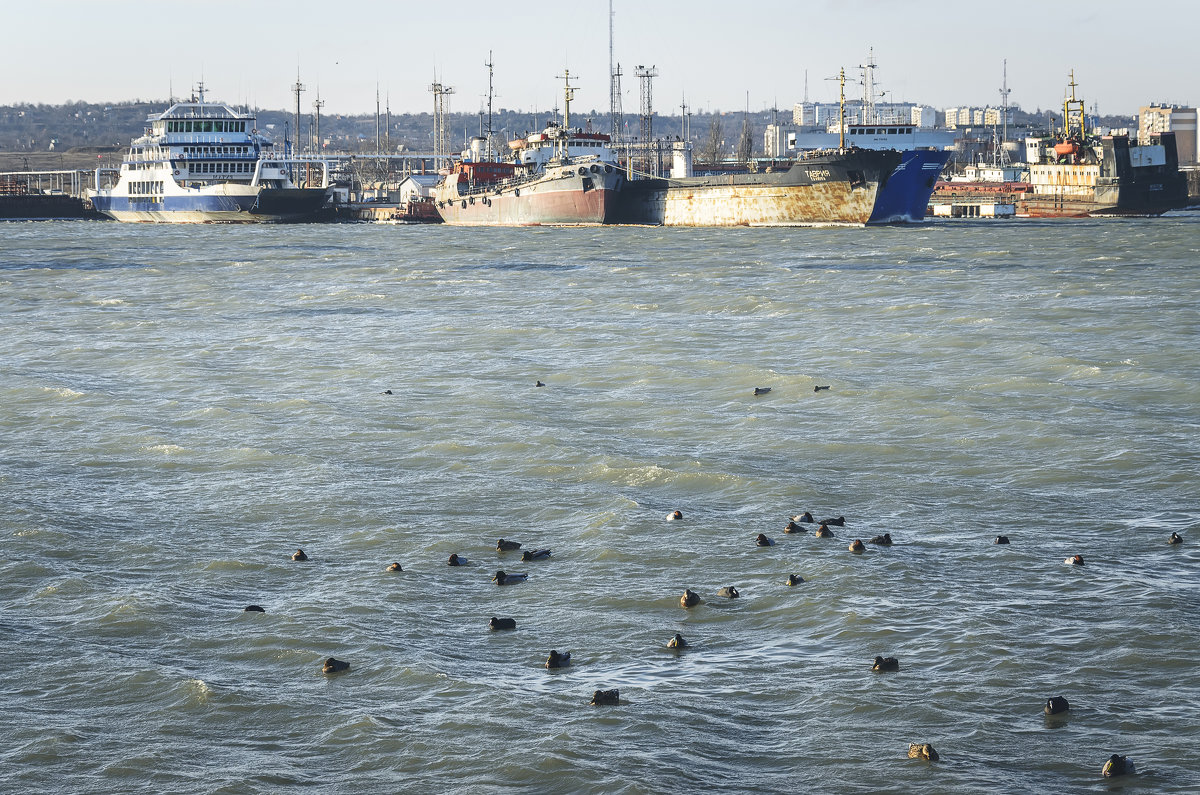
1004,92
842,108
1073,109
489,65
568,95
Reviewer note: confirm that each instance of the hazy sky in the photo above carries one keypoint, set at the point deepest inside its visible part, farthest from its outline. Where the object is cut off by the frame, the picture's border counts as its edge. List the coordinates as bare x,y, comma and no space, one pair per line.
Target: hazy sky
713,51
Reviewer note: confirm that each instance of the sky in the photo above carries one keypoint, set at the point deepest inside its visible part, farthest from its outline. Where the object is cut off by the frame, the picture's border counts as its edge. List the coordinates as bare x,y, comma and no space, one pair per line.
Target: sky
717,54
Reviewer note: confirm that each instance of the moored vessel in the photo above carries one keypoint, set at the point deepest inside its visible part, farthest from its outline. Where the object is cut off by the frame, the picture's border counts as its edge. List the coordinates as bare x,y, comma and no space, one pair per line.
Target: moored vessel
1081,175
557,176
201,162
815,188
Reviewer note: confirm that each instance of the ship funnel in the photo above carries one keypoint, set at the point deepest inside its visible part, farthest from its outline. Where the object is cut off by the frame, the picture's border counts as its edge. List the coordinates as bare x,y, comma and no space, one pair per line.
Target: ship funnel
681,159
477,147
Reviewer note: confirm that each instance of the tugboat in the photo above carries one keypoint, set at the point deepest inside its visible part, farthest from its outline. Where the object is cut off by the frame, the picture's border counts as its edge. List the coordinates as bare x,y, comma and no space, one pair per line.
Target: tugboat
1082,175
557,176
200,162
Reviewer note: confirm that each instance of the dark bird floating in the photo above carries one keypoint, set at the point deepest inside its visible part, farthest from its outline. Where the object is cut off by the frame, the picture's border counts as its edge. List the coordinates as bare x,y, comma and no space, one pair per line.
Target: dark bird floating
1117,766
1056,705
333,666
606,698
884,664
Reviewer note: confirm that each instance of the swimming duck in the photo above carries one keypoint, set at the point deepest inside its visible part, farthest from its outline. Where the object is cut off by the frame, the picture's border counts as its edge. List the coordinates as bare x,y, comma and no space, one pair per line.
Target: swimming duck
674,516
606,698
394,567
794,579
728,592
856,546
333,666
556,660
839,522
804,518
884,540
1117,766
1175,539
763,541
1001,540
502,623
1056,704
677,642
689,598
535,554
819,388
299,555
253,609
761,390
504,578
1076,560
792,527
883,664
455,560
507,546
539,383
922,751
823,531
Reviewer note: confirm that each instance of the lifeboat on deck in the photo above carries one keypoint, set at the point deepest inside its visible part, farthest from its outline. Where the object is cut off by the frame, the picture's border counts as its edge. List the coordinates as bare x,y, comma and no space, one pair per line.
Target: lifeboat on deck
1067,148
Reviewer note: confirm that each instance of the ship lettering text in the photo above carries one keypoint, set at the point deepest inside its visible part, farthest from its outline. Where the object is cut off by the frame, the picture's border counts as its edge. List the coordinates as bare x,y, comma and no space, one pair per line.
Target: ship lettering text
818,176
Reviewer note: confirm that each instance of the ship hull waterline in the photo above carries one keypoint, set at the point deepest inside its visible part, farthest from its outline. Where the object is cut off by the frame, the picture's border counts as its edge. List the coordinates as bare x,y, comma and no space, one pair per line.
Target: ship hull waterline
269,205
554,199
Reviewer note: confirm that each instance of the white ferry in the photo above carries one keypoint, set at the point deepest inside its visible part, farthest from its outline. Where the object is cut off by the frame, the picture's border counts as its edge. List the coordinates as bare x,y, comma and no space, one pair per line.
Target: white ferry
201,162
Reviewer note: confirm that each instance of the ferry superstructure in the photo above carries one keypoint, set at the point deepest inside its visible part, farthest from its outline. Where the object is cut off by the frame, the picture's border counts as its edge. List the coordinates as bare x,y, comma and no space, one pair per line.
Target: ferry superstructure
202,162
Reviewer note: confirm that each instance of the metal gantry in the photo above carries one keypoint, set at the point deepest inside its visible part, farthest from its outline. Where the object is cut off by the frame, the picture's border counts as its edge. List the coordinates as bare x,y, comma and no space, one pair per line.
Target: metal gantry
441,138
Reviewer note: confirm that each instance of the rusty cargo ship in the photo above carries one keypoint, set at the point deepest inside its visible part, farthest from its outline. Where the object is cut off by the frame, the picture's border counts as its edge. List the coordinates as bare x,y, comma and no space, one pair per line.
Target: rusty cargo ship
1078,175
832,187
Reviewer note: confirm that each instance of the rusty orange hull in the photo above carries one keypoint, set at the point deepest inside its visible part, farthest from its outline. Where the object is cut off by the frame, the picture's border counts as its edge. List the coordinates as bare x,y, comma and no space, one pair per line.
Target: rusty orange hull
830,188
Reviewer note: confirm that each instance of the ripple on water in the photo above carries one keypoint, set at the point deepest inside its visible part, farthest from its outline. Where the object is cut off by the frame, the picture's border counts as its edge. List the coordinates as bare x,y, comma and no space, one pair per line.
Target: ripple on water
174,433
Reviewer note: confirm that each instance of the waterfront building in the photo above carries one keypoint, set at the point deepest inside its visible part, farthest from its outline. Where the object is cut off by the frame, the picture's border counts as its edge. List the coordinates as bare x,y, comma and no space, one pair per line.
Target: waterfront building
1180,120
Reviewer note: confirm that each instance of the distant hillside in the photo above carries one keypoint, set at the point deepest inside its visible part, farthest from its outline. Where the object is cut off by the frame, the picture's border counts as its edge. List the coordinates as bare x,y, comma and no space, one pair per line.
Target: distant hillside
79,134
30,130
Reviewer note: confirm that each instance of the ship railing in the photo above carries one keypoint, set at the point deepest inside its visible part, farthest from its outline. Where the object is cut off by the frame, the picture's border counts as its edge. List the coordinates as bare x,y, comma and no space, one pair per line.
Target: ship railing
291,164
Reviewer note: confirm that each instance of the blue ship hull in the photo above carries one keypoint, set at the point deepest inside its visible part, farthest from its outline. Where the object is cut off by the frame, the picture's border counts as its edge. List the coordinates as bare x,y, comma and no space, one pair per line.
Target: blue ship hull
904,198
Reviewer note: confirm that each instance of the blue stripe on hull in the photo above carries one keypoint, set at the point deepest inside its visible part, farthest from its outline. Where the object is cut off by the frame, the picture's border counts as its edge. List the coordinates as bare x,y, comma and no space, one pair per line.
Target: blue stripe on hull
176,204
905,197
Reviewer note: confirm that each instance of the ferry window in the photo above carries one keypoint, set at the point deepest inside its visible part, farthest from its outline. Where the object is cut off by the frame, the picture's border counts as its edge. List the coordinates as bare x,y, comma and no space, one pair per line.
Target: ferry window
891,130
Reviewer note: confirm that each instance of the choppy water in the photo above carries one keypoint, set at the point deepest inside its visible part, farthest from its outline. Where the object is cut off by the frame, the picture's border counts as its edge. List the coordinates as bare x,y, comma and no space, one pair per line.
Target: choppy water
181,408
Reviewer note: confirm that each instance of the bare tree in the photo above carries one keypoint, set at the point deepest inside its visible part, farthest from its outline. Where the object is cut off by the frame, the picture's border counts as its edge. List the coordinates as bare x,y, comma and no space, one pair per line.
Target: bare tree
712,147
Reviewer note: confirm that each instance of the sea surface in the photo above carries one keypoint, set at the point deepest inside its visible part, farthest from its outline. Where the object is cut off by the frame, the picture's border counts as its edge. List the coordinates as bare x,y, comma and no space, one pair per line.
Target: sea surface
181,408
